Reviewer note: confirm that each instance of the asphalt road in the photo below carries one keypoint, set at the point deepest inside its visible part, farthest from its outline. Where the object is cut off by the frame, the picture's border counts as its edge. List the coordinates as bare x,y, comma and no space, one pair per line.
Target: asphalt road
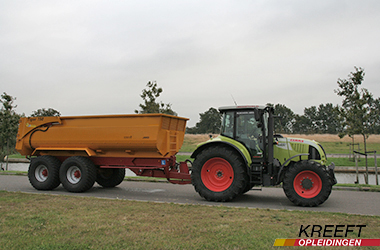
353,202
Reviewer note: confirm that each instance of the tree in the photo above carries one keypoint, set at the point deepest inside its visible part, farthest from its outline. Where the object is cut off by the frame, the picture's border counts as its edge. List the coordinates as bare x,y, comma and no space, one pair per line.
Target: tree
328,119
8,124
302,124
285,120
375,117
209,122
357,107
45,112
311,116
150,105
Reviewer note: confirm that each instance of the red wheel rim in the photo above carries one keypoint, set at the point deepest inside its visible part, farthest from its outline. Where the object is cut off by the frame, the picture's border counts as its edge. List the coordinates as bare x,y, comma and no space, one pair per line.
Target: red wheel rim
307,184
217,174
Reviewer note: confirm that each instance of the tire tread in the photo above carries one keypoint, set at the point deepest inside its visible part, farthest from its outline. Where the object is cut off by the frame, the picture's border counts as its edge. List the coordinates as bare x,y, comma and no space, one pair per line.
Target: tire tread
240,178
292,172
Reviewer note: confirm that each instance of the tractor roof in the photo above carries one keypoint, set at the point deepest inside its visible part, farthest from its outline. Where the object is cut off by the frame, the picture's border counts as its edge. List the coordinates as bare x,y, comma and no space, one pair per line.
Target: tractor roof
241,107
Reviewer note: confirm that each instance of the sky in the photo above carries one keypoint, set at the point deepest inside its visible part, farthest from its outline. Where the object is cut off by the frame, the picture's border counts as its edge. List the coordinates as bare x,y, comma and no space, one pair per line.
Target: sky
93,57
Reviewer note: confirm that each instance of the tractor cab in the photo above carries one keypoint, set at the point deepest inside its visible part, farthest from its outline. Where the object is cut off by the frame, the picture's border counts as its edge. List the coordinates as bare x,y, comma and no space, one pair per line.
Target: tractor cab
247,125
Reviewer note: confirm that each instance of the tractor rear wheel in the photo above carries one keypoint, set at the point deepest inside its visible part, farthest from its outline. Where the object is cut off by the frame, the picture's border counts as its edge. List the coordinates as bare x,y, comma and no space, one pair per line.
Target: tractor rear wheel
77,174
110,177
218,174
307,184
43,172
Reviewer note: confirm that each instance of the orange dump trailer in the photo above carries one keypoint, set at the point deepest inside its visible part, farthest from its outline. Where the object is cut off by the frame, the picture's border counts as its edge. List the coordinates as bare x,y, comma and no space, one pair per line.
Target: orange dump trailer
79,150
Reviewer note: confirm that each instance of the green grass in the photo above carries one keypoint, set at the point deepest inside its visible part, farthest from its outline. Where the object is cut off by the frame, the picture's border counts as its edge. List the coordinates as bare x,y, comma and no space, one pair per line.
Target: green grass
30,221
189,146
183,158
360,187
343,147
18,156
346,162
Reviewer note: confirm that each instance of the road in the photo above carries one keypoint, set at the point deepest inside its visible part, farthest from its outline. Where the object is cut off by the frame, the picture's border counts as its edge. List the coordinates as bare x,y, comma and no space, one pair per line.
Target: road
352,202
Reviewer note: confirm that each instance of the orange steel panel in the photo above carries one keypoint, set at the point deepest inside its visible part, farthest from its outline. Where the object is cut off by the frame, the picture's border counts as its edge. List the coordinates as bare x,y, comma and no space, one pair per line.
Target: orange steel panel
139,135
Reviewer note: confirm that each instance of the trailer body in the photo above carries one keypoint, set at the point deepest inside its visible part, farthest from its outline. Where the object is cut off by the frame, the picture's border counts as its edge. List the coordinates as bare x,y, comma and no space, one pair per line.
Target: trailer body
144,143
143,136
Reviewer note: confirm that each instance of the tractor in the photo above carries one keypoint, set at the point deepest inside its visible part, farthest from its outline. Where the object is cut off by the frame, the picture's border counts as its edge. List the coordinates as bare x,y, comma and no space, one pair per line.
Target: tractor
248,154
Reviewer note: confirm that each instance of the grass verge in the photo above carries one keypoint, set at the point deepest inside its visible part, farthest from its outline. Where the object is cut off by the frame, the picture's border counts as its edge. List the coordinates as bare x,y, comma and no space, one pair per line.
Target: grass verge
359,187
30,221
346,162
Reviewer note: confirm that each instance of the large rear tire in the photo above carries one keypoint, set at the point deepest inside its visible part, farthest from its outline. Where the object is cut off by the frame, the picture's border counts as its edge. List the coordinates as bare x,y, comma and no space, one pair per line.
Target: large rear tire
110,177
218,174
307,184
77,174
43,172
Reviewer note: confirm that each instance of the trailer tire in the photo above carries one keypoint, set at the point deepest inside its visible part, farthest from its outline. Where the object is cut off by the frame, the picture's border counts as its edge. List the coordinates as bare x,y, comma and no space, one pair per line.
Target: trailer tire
218,174
307,184
43,172
110,177
77,174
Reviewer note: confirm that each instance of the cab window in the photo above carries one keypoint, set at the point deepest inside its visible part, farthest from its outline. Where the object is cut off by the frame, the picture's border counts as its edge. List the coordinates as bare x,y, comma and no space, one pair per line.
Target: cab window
228,124
248,132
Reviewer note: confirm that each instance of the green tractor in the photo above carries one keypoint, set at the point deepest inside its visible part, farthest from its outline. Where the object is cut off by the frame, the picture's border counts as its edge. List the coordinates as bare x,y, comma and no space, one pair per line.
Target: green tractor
248,154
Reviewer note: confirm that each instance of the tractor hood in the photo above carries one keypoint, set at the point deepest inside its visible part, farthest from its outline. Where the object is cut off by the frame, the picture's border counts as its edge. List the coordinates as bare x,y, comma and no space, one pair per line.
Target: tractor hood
287,147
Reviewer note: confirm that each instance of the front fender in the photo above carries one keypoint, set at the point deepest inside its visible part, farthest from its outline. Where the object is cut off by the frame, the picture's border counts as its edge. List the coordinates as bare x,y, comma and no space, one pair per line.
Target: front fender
228,142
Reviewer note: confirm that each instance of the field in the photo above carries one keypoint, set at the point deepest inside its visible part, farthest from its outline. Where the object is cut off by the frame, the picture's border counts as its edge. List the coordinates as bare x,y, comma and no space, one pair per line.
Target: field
30,221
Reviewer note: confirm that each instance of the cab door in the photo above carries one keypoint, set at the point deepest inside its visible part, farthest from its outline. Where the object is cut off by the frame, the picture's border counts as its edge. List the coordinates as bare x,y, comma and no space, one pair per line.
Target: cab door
249,132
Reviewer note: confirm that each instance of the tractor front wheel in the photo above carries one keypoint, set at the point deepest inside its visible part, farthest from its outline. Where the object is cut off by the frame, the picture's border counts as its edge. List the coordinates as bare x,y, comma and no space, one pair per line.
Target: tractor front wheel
218,174
307,184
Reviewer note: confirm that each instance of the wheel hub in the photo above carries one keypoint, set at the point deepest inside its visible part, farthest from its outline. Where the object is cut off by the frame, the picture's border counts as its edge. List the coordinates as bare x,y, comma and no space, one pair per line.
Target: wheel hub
307,183
73,175
219,174
77,174
45,172
41,173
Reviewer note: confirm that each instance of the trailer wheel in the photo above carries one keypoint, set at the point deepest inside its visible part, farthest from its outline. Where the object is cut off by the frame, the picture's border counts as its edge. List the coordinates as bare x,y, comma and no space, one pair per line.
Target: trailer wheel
218,174
307,184
110,177
43,172
77,174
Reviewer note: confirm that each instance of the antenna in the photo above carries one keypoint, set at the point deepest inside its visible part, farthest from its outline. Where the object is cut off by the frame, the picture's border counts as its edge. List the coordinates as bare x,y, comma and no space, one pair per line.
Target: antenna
233,99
